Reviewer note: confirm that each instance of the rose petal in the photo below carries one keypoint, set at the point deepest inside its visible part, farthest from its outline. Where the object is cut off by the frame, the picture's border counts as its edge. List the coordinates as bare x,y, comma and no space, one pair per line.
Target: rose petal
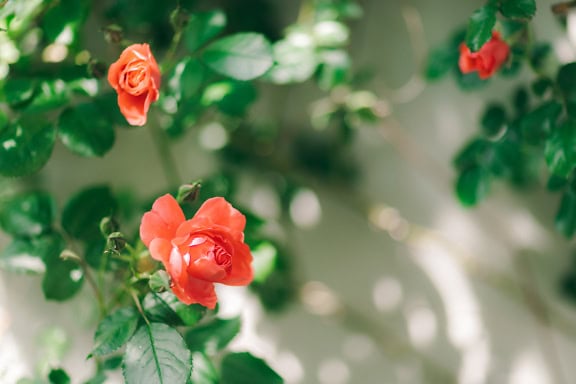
191,291
241,272
134,108
160,249
162,221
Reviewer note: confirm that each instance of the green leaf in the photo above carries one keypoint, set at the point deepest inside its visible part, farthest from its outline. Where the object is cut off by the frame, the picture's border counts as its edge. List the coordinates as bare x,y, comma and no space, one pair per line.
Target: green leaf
566,80
541,86
28,214
65,17
334,69
165,307
537,125
292,63
213,336
518,9
187,78
203,27
51,94
480,26
472,185
556,183
156,354
243,368
58,376
264,261
26,145
243,56
560,150
159,281
230,97
474,153
204,371
85,130
19,91
63,278
114,331
440,61
566,215
82,214
493,119
26,255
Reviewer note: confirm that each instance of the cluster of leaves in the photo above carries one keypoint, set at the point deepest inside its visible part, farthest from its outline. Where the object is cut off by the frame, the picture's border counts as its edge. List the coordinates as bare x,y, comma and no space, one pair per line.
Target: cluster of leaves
56,91
536,135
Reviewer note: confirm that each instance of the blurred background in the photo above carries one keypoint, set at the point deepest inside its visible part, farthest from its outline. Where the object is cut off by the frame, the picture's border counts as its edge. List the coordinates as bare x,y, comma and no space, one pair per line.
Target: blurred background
397,282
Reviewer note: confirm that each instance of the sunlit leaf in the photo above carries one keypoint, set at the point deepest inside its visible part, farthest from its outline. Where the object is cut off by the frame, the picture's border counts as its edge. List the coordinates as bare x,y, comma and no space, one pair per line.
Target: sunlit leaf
156,354
244,368
115,330
243,56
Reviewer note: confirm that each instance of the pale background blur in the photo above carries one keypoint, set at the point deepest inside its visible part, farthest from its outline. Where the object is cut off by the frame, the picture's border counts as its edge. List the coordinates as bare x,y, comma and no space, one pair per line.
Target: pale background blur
449,294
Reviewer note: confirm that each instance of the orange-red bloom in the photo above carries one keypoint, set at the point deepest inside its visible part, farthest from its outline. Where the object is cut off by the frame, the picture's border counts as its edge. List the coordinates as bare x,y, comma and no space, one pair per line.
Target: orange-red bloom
136,79
207,249
487,60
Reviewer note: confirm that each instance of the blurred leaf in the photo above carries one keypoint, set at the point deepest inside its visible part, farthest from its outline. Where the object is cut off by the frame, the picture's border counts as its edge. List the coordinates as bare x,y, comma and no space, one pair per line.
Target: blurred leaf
25,255
566,215
203,27
63,278
264,261
480,26
187,78
26,146
166,308
204,371
63,20
520,9
474,153
556,183
18,91
292,64
472,185
51,94
107,104
560,150
230,97
58,376
334,69
469,81
566,81
521,100
539,123
243,56
85,130
493,119
243,368
28,214
82,214
115,330
440,61
156,354
212,336
539,55
541,86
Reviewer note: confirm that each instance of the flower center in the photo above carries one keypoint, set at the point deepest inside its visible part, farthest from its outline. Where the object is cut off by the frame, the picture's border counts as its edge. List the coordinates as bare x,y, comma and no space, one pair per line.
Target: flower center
135,78
221,257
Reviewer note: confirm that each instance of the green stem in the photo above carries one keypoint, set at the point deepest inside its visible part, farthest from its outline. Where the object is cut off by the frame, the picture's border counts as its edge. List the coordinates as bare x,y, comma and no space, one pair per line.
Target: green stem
165,155
139,306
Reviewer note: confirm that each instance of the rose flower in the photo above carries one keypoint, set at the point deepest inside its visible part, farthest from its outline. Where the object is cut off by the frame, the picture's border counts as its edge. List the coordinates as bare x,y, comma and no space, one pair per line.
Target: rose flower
487,60
207,249
136,79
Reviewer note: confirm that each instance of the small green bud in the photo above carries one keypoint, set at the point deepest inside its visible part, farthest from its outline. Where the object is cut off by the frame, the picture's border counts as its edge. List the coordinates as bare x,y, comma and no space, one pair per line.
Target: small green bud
108,225
113,33
116,241
188,193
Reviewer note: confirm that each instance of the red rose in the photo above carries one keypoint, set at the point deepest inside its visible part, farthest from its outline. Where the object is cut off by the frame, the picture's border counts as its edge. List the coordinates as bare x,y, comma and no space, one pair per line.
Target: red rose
136,79
487,60
207,249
